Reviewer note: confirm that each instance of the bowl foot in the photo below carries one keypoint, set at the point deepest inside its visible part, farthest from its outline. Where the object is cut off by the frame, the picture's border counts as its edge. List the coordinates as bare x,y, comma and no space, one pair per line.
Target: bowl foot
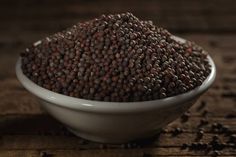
90,137
143,140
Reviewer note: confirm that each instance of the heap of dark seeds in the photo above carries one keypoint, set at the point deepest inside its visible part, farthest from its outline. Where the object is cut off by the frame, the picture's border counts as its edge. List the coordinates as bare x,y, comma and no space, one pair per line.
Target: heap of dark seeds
116,58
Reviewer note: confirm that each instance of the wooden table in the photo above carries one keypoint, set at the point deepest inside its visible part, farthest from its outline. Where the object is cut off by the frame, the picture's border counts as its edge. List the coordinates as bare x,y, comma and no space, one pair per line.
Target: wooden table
26,131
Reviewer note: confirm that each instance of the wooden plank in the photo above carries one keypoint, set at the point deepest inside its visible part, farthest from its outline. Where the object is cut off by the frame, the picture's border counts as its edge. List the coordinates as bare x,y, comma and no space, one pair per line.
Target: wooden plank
188,16
55,142
23,102
157,152
216,107
45,125
143,10
19,153
75,154
7,65
184,5
182,23
26,131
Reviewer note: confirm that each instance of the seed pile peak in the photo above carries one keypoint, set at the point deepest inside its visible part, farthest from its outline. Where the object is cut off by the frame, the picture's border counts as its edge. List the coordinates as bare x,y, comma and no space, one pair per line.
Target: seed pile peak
116,58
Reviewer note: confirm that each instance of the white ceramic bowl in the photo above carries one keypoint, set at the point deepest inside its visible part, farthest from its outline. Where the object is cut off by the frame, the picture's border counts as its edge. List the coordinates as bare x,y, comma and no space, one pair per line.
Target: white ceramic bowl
114,122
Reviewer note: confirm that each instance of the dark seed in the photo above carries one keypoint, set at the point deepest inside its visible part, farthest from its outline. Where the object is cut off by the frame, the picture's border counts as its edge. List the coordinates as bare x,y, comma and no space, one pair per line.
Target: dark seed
200,134
205,113
177,131
215,153
184,146
165,131
185,117
45,154
146,155
232,139
201,106
203,122
230,116
97,60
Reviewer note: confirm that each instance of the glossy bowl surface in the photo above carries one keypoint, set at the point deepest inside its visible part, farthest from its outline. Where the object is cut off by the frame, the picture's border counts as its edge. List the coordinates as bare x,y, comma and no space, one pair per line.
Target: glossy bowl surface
114,122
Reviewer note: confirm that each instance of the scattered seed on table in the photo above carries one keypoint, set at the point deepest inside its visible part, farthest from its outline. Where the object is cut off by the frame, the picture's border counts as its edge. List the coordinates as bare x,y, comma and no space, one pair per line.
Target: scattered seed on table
45,154
205,113
185,117
230,116
184,146
203,122
201,106
215,153
232,139
102,146
165,131
177,131
200,134
146,155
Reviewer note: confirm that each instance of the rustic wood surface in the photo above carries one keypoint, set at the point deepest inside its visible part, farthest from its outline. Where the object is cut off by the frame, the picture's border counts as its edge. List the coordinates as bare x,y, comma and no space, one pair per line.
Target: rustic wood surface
26,131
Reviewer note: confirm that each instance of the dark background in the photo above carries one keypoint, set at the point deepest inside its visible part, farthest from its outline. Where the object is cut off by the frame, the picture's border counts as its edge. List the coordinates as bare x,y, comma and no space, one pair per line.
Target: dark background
23,22
25,131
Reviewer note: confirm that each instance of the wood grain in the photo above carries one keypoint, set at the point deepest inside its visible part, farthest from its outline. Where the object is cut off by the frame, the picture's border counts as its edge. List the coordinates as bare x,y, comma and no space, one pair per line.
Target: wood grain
160,152
183,15
25,124
26,131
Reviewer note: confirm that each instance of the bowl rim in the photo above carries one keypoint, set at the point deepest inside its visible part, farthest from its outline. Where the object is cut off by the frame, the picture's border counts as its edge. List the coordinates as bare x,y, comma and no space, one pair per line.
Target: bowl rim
103,106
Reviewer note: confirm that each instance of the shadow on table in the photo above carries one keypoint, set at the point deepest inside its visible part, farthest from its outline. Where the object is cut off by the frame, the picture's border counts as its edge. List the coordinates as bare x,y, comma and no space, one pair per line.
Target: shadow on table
44,124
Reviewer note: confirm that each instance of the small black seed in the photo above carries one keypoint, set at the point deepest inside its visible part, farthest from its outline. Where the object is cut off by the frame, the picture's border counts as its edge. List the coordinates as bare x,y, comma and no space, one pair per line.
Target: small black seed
215,153
147,155
102,146
201,106
232,139
205,113
200,134
185,117
96,60
230,116
45,154
203,122
184,146
177,131
215,138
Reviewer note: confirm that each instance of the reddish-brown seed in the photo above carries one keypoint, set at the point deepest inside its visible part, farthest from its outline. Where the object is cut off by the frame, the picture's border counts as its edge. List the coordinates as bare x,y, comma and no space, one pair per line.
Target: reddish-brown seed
103,54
